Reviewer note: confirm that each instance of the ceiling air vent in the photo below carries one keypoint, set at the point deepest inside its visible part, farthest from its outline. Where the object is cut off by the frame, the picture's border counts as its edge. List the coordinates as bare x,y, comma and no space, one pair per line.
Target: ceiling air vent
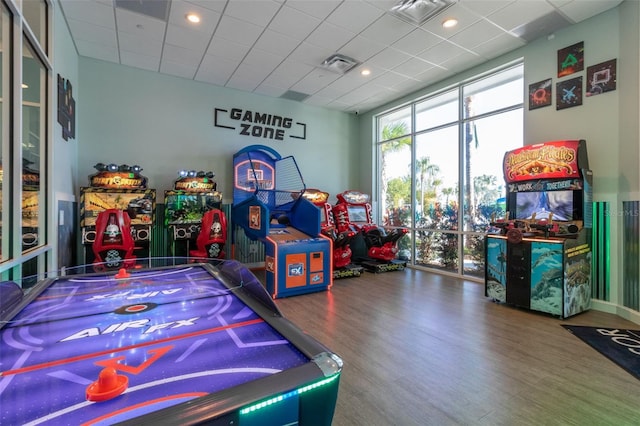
420,11
339,64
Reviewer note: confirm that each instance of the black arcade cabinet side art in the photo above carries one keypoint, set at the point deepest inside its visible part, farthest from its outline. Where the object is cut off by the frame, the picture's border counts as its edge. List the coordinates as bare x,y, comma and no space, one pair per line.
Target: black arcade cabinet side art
539,256
194,194
121,188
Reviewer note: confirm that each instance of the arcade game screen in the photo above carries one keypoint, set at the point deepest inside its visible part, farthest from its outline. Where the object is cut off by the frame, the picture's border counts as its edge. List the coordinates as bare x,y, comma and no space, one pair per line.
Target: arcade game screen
560,203
139,205
188,208
357,214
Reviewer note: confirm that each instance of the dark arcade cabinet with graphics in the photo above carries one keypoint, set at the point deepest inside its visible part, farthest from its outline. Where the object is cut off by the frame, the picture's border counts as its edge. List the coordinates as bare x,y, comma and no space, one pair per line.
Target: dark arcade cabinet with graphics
373,247
539,256
268,205
342,265
120,188
195,194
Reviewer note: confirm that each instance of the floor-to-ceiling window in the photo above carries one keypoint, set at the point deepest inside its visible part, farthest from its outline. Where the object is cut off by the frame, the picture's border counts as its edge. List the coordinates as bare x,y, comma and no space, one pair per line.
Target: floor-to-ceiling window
440,168
24,110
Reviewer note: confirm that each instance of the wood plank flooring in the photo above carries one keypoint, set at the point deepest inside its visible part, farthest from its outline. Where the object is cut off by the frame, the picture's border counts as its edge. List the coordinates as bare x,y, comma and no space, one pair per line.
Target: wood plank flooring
425,349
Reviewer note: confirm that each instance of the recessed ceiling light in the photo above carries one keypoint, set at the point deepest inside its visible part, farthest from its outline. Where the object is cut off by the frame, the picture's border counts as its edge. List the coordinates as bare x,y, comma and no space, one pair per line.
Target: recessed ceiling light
449,22
192,17
25,86
365,72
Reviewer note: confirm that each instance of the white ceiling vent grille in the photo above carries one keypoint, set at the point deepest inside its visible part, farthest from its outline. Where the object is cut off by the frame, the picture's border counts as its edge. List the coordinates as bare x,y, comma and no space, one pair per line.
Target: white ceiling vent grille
420,11
339,63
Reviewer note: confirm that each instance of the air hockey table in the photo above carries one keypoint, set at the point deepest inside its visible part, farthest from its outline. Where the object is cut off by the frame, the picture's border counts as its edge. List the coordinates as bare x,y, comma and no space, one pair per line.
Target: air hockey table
184,344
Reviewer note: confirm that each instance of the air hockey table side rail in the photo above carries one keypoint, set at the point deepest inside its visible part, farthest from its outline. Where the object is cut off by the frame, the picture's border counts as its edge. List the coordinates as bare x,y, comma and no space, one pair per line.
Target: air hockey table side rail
309,390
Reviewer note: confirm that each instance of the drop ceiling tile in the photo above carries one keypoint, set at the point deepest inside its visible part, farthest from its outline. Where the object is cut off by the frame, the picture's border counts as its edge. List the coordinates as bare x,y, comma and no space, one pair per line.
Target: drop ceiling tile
258,12
92,12
391,79
180,9
519,13
412,67
97,51
361,49
502,44
314,81
461,62
273,91
139,44
464,16
292,22
578,11
216,70
330,36
417,41
186,37
317,8
227,49
478,33
288,73
178,69
387,30
441,52
215,5
134,59
388,59
310,54
355,15
94,34
260,58
484,7
238,31
276,43
140,25
180,54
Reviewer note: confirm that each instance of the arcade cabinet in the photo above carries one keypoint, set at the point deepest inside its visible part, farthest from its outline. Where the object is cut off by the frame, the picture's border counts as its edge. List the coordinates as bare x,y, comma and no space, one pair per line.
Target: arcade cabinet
212,236
342,265
268,205
193,195
113,245
117,188
374,247
539,256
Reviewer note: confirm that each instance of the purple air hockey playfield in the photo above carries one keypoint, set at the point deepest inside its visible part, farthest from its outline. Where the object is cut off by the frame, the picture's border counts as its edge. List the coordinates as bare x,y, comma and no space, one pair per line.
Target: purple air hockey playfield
184,344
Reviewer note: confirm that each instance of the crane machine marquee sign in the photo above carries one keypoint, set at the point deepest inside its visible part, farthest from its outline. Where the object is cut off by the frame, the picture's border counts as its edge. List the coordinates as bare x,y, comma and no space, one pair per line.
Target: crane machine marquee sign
258,124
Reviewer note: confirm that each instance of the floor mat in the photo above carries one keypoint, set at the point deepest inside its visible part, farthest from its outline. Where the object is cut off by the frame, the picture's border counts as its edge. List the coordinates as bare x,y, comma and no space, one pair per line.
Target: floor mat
621,346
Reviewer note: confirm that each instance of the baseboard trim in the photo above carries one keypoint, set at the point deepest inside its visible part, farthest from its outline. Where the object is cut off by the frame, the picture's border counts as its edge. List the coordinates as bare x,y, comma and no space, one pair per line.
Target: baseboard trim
612,308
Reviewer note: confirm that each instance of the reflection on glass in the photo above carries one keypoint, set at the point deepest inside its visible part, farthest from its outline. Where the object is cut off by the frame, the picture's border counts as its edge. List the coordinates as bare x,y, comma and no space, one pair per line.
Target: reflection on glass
395,182
33,204
35,12
394,124
436,174
473,255
437,250
5,119
436,111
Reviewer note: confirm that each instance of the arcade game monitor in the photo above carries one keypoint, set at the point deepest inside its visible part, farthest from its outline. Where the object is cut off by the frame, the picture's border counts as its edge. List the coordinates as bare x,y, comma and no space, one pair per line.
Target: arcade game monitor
188,344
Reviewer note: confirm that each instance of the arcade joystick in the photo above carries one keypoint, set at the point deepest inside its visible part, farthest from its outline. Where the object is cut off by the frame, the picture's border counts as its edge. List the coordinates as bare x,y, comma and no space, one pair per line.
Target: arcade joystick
109,385
122,273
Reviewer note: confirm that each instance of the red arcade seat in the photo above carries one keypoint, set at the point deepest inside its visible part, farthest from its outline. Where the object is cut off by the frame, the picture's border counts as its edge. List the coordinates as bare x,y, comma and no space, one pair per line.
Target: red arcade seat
113,246
212,236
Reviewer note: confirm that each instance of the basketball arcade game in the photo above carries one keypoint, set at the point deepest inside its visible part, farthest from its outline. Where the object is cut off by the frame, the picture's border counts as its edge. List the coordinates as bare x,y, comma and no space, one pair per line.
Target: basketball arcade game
374,247
342,266
193,195
268,205
117,188
539,256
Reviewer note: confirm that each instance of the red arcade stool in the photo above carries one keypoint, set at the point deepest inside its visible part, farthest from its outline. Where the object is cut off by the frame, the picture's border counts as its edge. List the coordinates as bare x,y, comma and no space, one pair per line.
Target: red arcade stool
212,236
113,246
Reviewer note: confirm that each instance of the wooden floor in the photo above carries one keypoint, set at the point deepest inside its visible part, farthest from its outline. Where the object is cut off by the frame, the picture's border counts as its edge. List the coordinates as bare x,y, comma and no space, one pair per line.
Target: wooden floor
425,349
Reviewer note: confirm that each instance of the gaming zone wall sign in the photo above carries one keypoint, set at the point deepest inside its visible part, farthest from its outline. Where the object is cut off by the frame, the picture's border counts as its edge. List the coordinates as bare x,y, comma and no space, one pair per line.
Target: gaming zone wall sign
258,124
